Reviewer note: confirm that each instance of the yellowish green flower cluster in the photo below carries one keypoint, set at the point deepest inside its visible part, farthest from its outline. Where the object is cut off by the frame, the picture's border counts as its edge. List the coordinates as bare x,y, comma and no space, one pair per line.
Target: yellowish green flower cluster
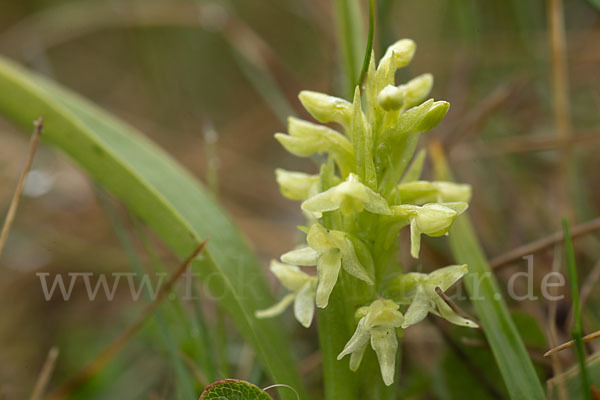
367,190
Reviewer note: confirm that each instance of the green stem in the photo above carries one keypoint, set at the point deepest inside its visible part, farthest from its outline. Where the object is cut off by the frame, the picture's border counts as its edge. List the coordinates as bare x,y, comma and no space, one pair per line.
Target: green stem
350,37
577,328
369,50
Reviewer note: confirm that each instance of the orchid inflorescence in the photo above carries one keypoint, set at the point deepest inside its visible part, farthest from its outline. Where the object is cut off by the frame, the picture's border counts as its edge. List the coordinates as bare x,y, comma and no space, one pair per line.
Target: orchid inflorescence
365,193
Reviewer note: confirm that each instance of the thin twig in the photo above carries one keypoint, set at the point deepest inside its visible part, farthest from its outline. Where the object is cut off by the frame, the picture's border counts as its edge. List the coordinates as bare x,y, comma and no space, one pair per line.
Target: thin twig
115,346
570,343
465,128
198,374
42,382
544,243
14,204
454,306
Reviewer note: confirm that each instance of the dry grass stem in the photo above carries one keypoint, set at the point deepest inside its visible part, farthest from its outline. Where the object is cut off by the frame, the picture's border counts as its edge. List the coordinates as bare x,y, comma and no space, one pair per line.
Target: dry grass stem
42,382
14,204
544,243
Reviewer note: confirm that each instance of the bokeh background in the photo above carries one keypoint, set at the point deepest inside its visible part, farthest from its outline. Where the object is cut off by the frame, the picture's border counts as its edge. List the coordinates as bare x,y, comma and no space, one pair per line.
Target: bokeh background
211,82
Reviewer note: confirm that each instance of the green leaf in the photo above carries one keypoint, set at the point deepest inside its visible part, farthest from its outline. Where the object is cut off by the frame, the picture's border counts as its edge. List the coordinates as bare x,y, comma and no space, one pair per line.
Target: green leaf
595,4
231,389
507,346
163,195
572,380
577,325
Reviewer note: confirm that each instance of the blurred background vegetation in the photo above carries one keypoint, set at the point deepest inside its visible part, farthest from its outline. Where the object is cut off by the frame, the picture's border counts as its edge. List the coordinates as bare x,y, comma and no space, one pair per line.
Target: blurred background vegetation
211,82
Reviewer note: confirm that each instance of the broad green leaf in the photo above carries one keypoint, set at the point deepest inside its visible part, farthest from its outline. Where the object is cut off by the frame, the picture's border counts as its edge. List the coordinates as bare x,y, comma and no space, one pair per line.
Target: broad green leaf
231,389
507,346
163,195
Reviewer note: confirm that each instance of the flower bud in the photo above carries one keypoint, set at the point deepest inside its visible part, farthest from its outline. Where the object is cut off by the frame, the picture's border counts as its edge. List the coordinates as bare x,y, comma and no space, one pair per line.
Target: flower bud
417,89
435,219
297,185
433,116
423,192
325,108
397,56
423,117
400,53
391,98
306,139
453,192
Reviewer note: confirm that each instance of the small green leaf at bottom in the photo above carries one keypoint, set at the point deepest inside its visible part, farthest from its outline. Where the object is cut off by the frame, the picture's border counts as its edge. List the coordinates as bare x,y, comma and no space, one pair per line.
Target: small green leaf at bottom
233,389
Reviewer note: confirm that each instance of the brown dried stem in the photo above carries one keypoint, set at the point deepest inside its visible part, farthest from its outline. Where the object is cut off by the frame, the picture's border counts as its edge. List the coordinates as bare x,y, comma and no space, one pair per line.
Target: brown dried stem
14,204
544,243
42,382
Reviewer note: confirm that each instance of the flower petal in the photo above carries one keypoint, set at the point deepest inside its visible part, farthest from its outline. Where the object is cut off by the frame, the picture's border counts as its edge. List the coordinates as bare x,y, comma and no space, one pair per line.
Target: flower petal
357,356
435,219
328,268
356,344
447,276
415,239
348,196
352,265
277,308
385,344
306,257
448,314
418,309
296,185
290,276
325,108
304,305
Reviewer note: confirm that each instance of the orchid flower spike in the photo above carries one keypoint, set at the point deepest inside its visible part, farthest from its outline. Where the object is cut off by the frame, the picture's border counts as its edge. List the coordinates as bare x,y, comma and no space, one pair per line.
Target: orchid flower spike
378,323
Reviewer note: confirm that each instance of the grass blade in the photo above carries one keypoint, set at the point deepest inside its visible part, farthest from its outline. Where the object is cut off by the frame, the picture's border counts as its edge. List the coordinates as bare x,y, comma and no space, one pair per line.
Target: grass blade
369,50
185,387
577,332
164,196
350,38
500,330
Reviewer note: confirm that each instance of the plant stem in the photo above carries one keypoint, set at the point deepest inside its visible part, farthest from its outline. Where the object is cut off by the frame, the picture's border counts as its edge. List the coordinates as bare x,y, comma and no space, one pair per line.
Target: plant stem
369,50
577,328
350,37
14,204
